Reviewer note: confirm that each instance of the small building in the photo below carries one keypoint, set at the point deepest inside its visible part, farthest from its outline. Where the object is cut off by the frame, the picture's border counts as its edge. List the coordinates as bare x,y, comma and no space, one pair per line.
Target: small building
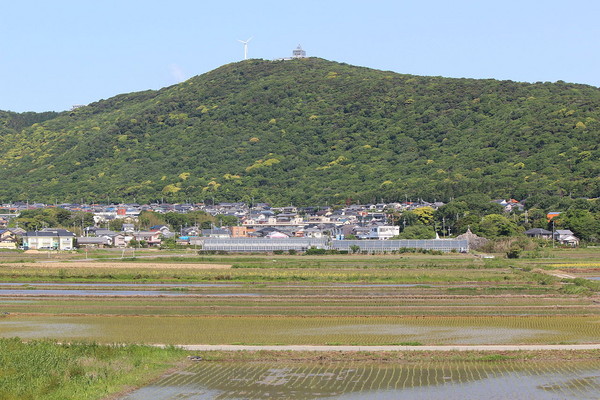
151,238
239,231
129,228
8,239
552,214
163,229
539,233
93,241
298,52
384,232
277,235
190,231
48,239
216,233
565,236
116,239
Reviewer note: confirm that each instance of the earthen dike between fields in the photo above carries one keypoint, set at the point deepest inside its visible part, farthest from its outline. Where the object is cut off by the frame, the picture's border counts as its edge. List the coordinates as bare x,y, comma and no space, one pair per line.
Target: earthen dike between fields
126,265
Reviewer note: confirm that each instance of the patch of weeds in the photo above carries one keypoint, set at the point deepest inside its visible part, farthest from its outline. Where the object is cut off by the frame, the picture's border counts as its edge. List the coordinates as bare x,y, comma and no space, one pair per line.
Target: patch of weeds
407,344
494,357
575,289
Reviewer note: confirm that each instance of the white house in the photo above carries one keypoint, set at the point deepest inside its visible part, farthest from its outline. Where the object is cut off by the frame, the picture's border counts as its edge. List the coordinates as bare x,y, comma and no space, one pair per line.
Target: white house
565,236
384,232
57,239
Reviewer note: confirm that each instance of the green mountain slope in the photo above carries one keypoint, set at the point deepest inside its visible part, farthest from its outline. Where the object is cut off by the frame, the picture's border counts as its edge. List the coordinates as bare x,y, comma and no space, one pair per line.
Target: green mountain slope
313,131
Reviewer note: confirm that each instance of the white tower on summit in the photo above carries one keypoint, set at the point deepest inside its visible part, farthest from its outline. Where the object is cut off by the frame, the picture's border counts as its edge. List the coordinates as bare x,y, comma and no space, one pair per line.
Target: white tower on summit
298,53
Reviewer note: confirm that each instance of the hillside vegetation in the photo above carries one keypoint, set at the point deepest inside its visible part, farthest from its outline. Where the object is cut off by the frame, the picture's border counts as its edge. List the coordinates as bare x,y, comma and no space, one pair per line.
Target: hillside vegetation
311,131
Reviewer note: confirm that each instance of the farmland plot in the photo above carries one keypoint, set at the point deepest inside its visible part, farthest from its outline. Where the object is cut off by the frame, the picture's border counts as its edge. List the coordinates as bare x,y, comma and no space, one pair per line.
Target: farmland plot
307,330
435,380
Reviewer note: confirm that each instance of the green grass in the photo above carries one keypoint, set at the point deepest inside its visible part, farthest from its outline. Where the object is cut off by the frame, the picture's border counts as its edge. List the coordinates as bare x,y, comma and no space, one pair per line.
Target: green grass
48,370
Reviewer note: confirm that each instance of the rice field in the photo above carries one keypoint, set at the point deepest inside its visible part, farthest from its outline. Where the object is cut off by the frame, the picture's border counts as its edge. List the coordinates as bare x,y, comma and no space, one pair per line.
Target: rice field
352,380
333,300
322,330
300,301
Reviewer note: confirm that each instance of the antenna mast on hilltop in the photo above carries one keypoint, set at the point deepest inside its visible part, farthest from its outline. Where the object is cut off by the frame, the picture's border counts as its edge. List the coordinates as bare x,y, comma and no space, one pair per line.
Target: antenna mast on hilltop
245,43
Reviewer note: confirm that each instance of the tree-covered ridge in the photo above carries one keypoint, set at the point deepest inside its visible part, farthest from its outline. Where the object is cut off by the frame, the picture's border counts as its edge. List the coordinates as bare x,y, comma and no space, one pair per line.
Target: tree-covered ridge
313,131
11,121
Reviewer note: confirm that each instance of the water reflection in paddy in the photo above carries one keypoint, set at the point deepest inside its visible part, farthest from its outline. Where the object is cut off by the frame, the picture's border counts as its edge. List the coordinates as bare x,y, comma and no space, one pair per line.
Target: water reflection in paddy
424,380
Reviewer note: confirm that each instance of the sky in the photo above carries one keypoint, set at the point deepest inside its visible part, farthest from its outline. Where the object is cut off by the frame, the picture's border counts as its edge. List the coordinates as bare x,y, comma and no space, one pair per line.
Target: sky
60,53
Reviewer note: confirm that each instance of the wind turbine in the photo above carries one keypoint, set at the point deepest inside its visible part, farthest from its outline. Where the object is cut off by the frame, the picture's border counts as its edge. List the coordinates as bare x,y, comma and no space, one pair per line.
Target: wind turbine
245,42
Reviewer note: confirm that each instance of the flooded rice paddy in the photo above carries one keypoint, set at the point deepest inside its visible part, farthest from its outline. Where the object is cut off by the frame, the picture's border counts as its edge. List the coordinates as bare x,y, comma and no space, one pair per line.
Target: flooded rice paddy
349,314
435,380
304,330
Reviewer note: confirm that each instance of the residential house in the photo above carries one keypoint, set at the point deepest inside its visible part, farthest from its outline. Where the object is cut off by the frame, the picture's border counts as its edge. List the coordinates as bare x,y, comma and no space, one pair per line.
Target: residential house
510,205
191,231
116,239
17,231
313,232
8,239
128,228
277,235
362,232
319,219
216,233
565,236
48,239
151,238
539,233
288,219
163,229
239,231
384,232
93,241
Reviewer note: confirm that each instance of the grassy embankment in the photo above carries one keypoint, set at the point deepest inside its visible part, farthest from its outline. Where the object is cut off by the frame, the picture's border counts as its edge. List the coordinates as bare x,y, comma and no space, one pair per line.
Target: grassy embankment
48,370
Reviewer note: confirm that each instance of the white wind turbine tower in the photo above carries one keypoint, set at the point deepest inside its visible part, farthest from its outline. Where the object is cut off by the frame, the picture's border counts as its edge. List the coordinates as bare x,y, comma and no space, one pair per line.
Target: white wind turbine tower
245,42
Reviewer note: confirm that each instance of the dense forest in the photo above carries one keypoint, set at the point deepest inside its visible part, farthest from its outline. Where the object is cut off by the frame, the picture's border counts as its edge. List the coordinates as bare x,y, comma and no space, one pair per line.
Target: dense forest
310,131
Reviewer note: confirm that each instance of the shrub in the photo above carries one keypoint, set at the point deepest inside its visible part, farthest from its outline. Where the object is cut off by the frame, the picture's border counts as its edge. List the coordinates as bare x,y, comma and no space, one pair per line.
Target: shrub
514,252
313,251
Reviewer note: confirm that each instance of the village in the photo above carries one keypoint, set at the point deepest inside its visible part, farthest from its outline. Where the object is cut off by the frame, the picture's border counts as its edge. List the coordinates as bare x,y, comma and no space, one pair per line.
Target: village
247,228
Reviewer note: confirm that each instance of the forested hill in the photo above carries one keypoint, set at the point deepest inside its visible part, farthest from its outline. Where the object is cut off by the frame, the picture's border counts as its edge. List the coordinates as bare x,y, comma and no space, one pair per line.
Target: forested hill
311,131
12,121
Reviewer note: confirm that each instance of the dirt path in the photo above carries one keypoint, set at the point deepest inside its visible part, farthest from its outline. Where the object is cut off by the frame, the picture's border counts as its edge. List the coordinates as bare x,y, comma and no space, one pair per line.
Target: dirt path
557,273
125,265
517,347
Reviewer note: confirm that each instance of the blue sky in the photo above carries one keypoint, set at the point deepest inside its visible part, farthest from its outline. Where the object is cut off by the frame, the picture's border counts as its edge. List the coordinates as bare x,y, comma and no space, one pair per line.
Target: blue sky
54,54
